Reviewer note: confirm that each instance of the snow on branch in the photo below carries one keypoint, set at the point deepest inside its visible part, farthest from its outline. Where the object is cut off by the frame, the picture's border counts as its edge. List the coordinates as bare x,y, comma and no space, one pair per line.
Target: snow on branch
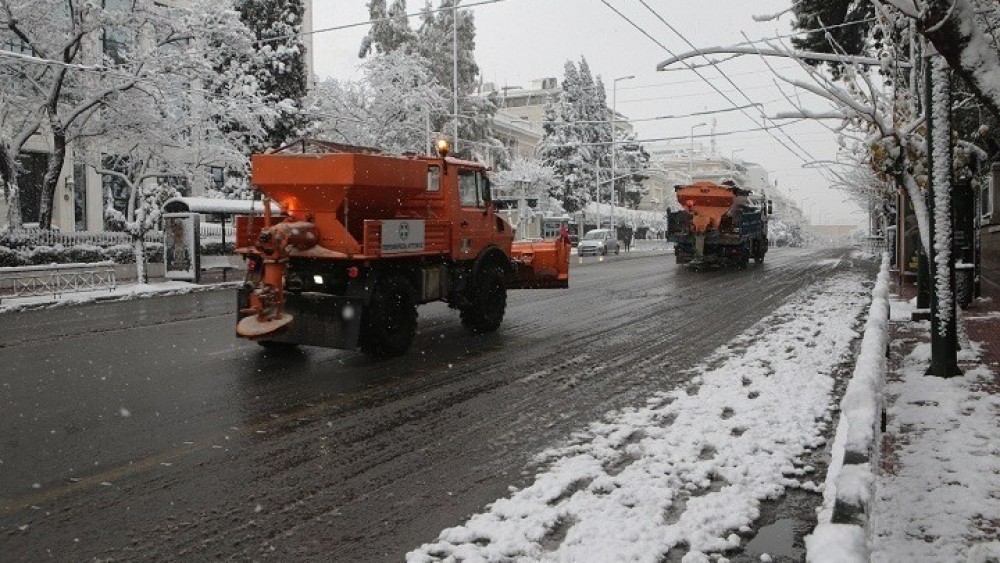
771,52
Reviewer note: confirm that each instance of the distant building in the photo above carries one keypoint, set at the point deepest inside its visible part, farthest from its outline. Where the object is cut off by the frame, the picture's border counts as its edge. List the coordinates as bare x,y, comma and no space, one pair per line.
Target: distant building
519,120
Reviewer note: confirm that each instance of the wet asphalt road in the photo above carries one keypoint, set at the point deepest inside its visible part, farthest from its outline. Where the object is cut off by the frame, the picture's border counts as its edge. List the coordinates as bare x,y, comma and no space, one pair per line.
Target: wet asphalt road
144,430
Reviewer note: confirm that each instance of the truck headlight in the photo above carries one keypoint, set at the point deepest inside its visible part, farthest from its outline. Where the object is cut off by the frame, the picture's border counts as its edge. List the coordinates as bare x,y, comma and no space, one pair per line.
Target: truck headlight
318,279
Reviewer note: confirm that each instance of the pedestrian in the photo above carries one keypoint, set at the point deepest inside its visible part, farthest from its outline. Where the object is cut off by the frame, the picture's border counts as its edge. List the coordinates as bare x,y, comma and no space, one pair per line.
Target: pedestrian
628,240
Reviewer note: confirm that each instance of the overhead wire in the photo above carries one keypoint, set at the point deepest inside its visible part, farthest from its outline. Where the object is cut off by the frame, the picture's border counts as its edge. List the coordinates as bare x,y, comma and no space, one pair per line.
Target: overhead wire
709,82
724,75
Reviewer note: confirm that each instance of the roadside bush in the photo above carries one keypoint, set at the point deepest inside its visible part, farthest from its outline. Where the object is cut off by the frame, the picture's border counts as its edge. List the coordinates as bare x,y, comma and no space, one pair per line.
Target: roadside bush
9,258
41,255
217,249
154,252
86,253
120,254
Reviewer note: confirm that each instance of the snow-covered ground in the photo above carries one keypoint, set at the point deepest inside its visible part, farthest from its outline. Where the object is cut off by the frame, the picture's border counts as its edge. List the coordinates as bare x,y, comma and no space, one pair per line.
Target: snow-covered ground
688,469
938,498
120,293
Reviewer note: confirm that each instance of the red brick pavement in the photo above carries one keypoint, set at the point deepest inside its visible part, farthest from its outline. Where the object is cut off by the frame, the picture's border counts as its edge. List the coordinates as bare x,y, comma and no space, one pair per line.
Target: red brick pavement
982,324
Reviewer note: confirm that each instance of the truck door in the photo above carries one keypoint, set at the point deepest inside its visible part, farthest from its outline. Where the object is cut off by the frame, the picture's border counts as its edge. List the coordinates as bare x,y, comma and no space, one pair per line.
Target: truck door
475,228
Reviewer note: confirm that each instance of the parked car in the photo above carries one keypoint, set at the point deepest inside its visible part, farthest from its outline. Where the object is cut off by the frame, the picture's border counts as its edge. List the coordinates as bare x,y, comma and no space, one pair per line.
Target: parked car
599,242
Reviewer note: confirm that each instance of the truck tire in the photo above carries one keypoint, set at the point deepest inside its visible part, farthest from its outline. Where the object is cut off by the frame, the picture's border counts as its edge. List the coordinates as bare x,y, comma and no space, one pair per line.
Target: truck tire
758,255
488,302
390,321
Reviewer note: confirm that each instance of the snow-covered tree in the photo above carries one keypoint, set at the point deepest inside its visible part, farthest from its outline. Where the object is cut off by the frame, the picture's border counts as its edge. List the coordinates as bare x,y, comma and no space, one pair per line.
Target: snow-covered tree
833,26
631,164
389,108
564,145
142,46
277,62
390,29
164,133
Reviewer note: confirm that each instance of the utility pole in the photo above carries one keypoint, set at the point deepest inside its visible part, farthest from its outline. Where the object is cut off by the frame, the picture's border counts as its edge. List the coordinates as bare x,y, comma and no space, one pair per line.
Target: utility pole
454,71
691,152
944,334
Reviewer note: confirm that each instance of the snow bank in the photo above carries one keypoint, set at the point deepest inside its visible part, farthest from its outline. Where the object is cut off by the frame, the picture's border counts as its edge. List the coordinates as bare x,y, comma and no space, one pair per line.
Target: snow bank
841,532
688,469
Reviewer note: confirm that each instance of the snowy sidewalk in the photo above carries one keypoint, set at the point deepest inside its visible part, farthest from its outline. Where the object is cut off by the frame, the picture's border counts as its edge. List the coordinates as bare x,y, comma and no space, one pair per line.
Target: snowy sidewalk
937,492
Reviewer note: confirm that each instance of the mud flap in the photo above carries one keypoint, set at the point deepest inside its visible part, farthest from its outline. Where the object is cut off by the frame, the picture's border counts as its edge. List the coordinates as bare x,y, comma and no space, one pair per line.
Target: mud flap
318,319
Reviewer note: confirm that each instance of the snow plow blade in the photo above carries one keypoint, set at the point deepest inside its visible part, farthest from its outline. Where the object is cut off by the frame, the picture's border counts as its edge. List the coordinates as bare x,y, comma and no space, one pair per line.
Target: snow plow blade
316,319
540,264
252,327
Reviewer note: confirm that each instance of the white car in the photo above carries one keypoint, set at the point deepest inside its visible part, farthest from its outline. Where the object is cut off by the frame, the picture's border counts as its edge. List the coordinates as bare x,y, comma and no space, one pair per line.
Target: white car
598,242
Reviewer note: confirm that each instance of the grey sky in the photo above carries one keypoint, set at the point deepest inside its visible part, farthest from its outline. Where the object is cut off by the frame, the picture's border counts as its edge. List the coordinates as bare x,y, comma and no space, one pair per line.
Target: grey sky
520,40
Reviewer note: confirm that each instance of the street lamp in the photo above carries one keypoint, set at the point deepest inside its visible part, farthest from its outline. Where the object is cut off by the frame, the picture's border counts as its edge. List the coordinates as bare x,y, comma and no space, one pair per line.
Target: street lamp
691,151
614,143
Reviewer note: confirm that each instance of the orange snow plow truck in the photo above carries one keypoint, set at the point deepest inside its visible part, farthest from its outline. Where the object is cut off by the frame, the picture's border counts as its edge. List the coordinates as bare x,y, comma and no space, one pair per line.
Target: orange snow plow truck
365,237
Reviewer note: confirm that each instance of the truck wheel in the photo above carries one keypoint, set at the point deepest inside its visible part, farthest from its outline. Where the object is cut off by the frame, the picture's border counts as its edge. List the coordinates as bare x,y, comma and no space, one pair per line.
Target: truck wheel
488,303
390,322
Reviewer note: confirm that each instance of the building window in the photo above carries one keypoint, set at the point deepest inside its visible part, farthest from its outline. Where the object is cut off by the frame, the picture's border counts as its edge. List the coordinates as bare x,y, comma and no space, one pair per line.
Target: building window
115,40
80,196
218,178
116,189
30,175
177,183
15,45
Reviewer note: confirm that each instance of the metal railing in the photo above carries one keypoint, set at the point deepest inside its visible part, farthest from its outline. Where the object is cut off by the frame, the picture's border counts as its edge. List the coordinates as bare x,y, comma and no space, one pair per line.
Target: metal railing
56,279
39,237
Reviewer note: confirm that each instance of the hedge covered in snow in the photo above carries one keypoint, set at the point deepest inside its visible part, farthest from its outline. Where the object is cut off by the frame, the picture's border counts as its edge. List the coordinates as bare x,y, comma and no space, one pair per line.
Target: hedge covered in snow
15,253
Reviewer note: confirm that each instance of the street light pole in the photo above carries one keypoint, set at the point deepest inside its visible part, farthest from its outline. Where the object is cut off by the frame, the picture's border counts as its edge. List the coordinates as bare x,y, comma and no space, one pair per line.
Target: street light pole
691,151
454,72
732,162
614,144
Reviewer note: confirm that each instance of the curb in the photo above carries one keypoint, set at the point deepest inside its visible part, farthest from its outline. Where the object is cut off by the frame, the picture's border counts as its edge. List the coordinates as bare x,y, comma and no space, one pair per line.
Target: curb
70,302
842,531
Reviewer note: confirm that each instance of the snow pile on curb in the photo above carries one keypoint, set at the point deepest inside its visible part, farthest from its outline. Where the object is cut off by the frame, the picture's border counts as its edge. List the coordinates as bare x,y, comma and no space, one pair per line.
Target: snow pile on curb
689,469
850,479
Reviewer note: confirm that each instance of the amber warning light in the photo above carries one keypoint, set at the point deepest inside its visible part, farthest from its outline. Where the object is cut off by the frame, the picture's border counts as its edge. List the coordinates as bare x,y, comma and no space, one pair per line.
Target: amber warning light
443,147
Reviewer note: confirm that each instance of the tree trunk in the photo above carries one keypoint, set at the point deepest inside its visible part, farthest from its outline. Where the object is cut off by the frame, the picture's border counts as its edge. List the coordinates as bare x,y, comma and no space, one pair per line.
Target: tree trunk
51,180
11,190
139,247
950,25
